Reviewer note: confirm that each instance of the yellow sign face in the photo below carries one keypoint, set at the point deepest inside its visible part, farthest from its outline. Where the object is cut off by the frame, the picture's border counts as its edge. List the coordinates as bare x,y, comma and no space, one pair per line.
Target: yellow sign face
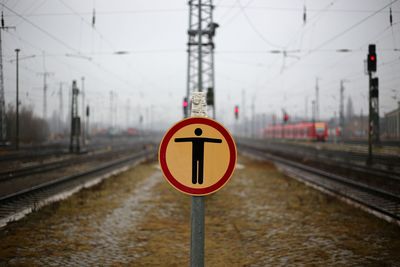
197,156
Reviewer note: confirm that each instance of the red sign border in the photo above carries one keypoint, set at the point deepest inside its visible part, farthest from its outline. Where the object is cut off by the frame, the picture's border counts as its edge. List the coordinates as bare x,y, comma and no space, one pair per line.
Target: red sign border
163,160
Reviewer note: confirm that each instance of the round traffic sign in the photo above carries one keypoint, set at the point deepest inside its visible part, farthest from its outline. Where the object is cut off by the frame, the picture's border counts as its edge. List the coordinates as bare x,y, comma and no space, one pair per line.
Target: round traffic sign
197,156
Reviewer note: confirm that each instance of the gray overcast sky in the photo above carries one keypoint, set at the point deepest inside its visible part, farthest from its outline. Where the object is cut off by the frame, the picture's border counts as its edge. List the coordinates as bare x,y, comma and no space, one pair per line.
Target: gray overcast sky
154,71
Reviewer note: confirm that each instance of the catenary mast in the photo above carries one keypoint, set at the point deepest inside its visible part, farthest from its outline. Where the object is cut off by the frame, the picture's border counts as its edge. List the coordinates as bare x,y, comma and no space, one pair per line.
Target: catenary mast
200,72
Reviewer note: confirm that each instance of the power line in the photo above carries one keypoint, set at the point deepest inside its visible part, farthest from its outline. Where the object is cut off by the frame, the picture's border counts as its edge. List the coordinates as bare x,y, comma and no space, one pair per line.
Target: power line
175,10
300,9
255,29
56,57
351,27
64,44
106,40
311,21
87,23
285,52
339,34
41,29
104,13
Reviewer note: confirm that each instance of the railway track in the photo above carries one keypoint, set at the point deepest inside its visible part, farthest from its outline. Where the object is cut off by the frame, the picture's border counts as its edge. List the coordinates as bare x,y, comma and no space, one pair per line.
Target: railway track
40,153
64,162
17,204
339,154
393,143
378,201
343,154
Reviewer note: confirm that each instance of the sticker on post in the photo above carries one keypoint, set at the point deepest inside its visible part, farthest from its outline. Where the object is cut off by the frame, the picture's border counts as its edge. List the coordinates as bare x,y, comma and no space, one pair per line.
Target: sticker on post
197,156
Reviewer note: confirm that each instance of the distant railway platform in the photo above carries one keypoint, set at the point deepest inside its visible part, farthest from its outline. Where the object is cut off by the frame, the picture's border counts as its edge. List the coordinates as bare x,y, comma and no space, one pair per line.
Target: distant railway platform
261,218
383,157
362,147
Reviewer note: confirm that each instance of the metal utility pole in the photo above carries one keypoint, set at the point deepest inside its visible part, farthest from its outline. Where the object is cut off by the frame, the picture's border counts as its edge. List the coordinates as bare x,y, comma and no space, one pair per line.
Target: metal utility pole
273,123
374,97
128,111
45,74
17,103
87,121
316,100
200,78
83,110
398,120
244,120
373,92
111,109
200,73
306,109
362,122
313,111
3,123
341,108
335,124
74,145
253,117
61,103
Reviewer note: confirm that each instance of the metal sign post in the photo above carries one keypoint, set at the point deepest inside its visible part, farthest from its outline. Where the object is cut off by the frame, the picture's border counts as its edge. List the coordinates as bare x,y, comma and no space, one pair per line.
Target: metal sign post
199,109
197,234
197,175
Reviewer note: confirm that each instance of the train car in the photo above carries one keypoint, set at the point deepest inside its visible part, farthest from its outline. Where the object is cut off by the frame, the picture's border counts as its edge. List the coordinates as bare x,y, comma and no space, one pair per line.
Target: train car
317,131
132,132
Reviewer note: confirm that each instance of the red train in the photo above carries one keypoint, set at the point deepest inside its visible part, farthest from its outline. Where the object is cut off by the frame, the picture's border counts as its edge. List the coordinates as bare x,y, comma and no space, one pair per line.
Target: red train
317,131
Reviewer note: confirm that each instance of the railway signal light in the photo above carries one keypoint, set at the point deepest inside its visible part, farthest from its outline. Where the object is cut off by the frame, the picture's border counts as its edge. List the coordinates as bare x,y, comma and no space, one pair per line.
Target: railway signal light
236,112
210,96
374,87
390,17
185,105
371,59
285,117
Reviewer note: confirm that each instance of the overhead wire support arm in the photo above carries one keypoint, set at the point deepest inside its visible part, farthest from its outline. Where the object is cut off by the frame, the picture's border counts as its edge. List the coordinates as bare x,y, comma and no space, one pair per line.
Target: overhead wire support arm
200,48
3,124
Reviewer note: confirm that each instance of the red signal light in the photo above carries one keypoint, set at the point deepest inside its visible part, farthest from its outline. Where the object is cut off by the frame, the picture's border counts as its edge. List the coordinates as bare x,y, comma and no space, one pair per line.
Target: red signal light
236,112
185,105
286,117
371,58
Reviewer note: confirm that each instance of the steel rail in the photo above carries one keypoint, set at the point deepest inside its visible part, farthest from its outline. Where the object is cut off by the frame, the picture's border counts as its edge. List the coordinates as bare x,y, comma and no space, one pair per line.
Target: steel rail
101,168
50,166
367,195
338,158
16,205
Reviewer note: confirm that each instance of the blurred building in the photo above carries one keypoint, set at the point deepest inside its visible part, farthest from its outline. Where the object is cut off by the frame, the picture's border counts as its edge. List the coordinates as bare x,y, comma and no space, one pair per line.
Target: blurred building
355,127
392,124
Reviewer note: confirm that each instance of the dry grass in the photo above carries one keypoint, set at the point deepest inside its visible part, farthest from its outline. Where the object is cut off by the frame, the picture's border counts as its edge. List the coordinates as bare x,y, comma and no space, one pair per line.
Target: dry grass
261,218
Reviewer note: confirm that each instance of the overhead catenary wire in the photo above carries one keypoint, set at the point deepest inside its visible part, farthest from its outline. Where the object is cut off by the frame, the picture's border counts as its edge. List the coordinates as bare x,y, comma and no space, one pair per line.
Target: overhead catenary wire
110,44
64,44
58,58
330,40
55,38
254,28
104,13
330,59
178,10
301,9
324,43
351,27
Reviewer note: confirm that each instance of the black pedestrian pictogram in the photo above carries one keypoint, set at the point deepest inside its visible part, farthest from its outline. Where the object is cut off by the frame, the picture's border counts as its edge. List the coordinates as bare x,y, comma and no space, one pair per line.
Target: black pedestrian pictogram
198,153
